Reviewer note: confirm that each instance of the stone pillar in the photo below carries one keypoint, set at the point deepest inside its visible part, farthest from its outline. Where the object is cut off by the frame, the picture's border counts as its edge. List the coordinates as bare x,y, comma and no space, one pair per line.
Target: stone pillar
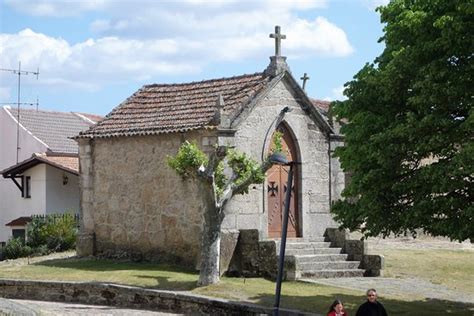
85,245
277,66
373,265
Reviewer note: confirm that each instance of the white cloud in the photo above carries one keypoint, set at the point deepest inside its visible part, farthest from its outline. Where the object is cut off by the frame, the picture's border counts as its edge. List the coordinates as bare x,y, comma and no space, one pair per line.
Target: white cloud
54,8
372,4
139,40
93,63
336,94
319,37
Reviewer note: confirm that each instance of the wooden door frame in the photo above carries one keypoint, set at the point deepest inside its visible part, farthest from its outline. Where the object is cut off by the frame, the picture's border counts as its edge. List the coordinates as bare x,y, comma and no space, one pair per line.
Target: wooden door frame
297,180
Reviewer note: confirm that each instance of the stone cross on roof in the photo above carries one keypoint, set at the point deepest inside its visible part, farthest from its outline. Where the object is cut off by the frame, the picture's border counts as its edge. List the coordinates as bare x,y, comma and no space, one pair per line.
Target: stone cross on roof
278,37
304,78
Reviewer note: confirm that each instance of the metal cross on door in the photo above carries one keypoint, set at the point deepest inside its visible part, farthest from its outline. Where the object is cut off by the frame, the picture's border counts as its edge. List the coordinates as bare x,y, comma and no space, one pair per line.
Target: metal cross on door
277,177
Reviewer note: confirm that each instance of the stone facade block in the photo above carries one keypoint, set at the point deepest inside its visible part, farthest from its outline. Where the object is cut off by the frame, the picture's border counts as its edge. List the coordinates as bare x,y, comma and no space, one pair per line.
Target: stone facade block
229,240
373,265
85,245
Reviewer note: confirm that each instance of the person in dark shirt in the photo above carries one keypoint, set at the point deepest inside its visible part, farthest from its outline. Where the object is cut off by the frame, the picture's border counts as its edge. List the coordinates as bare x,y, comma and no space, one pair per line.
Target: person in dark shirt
372,307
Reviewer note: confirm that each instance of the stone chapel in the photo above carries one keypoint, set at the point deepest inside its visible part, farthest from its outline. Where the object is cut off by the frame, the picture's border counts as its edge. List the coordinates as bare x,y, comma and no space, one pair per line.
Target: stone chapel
134,204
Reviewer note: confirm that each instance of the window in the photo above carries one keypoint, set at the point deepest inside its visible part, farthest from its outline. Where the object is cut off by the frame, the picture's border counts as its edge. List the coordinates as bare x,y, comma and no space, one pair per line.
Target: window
26,184
18,233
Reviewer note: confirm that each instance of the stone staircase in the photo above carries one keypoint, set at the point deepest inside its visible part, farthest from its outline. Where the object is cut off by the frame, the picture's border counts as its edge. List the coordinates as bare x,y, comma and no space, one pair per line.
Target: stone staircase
315,258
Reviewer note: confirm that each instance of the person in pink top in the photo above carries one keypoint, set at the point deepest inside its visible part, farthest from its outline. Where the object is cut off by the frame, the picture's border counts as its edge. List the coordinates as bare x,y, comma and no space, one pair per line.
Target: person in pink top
337,309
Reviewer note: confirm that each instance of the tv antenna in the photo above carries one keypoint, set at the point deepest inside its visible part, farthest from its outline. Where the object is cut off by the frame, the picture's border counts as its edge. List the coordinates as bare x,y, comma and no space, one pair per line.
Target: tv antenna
20,72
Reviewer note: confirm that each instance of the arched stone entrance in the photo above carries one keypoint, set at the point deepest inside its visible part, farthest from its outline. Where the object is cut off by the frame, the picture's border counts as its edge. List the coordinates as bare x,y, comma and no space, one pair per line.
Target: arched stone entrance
277,178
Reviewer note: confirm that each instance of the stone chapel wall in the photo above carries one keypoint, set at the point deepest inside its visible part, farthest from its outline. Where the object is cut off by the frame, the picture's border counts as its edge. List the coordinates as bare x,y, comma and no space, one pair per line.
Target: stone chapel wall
249,211
137,204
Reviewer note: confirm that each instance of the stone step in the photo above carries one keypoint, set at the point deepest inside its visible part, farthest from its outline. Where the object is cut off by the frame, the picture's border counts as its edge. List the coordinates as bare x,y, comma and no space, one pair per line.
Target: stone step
309,239
311,251
321,257
300,239
343,273
306,245
329,265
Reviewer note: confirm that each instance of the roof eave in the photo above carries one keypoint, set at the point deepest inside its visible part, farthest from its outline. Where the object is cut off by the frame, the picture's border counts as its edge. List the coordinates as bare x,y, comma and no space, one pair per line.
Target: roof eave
30,163
308,105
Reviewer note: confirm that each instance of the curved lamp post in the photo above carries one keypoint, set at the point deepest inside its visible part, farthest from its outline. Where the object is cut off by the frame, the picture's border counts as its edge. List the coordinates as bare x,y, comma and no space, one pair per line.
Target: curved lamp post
280,159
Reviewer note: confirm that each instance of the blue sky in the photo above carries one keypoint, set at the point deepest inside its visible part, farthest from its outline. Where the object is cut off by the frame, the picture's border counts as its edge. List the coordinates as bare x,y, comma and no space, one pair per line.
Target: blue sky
93,54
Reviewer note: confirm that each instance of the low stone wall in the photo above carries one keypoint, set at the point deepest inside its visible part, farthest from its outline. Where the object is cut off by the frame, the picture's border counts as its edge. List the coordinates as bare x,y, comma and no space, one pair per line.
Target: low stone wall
130,297
253,257
357,251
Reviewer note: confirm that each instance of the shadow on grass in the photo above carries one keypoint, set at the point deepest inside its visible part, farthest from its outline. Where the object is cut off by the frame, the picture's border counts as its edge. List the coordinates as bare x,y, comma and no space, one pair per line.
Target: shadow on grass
166,283
102,265
320,304
142,274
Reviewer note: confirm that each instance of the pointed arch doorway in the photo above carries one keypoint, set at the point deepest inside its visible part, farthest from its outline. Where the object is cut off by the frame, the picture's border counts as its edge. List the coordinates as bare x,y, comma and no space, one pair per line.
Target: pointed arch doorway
277,178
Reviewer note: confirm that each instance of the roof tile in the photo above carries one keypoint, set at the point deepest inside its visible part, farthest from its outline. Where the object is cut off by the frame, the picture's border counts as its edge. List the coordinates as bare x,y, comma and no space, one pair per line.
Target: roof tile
166,108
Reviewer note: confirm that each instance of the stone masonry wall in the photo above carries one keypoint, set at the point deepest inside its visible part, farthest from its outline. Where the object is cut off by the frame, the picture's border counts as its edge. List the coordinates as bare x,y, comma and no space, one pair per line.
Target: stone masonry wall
134,204
132,297
249,211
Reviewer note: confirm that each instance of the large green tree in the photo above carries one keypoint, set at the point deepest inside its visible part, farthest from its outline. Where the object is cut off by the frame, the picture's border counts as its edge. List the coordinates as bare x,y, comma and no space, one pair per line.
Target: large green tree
409,125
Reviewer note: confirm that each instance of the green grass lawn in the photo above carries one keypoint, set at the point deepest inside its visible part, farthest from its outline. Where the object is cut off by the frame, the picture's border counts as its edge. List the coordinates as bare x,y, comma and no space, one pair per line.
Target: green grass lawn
452,268
295,295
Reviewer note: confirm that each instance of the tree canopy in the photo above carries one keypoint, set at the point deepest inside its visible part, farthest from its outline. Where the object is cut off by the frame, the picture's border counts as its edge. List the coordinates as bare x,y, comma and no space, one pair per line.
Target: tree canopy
409,125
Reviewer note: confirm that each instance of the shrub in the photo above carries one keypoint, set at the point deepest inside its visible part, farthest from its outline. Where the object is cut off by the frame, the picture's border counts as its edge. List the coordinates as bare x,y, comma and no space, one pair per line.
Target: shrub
35,230
16,248
56,232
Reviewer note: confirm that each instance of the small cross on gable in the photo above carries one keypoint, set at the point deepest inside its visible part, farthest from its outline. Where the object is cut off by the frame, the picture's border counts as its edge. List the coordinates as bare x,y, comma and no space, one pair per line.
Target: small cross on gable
304,78
278,37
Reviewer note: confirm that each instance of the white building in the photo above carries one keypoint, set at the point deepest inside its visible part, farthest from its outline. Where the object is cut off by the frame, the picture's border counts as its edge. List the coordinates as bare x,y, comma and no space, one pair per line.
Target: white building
39,164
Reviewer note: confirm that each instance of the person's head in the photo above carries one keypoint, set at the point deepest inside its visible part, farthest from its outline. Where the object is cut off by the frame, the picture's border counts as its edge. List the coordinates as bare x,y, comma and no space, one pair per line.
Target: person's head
371,295
336,306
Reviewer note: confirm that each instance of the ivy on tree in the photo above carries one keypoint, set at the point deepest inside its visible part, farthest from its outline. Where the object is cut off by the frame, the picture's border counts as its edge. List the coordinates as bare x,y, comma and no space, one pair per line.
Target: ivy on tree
409,126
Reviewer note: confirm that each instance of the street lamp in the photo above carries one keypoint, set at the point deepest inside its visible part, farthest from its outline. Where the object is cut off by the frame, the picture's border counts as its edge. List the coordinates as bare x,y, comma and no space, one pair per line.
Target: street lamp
280,159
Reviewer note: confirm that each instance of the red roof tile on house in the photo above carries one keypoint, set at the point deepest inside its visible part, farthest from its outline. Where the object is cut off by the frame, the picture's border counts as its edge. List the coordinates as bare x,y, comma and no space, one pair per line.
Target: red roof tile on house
20,221
69,163
64,162
166,108
321,105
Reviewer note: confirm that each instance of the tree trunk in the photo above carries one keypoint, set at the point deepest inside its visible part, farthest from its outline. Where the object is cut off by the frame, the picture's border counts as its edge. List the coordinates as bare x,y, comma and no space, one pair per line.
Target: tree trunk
211,242
211,239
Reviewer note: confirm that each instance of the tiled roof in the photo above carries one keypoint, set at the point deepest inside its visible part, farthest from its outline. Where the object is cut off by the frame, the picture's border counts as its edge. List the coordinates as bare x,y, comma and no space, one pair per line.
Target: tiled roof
53,128
321,106
93,117
69,163
20,221
63,162
166,108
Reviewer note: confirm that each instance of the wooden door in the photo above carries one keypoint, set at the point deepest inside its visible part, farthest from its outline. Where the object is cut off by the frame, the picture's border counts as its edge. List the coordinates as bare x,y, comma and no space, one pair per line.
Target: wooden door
277,178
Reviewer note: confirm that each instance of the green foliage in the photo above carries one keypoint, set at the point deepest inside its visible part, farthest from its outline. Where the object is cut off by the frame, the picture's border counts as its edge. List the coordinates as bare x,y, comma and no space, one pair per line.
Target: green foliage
220,179
277,142
53,232
16,248
245,169
409,140
35,230
188,159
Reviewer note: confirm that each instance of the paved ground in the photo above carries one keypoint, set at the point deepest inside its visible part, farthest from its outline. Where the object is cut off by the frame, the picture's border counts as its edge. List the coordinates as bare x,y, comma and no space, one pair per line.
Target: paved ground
413,287
34,308
393,286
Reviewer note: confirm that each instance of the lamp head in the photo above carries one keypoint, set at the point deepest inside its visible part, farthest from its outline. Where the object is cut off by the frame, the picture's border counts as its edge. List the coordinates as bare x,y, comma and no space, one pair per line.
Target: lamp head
278,158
